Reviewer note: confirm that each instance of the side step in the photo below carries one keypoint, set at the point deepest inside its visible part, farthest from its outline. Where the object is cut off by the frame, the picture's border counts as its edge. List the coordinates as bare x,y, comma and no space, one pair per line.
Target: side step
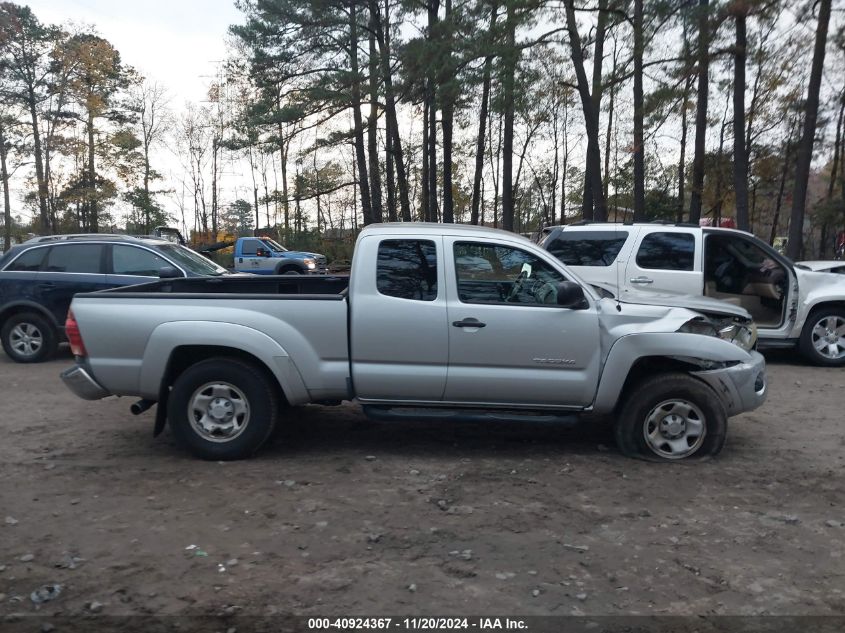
389,413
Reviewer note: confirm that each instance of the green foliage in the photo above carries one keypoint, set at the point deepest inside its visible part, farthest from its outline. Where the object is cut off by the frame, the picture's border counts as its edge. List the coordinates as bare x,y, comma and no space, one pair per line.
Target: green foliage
238,218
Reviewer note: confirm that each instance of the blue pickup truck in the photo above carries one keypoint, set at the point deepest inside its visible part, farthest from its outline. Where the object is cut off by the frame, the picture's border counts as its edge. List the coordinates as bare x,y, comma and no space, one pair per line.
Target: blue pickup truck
265,256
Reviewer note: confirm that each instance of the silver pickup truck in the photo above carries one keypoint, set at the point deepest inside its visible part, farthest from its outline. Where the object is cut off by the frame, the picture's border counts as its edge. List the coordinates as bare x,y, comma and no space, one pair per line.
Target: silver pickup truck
437,321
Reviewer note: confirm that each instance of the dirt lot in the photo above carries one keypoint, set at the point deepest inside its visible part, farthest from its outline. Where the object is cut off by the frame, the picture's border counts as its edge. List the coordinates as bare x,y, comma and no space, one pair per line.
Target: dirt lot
343,516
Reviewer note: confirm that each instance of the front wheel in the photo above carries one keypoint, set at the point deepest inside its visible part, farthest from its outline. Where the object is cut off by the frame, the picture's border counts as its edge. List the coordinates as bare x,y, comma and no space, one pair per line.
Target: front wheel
222,409
671,417
823,337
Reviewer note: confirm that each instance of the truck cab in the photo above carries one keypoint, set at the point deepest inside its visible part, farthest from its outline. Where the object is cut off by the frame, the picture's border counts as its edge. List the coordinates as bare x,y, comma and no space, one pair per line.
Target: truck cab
265,256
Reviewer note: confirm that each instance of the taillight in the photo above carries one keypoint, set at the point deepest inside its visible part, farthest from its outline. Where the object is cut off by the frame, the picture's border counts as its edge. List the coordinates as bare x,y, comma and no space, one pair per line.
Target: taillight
73,335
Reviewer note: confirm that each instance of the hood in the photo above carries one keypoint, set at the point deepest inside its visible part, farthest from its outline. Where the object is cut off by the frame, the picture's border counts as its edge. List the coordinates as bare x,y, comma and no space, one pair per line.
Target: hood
300,254
821,285
676,300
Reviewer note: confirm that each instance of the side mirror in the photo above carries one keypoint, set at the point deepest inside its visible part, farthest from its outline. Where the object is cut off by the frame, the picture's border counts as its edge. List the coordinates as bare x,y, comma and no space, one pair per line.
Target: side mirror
260,252
168,272
571,295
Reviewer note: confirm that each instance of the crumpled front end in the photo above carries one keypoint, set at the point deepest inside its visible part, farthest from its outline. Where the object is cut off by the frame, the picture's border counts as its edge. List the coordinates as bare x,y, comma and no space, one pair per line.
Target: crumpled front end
741,386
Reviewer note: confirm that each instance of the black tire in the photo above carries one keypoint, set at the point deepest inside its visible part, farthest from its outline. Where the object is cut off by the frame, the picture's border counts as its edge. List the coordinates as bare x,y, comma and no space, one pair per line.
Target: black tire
259,395
37,329
806,342
640,408
288,270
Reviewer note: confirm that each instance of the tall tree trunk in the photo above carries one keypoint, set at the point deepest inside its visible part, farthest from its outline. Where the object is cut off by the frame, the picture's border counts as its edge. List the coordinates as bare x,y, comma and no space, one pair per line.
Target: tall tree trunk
565,162
684,103
831,185
425,189
701,110
682,162
588,203
391,178
372,129
215,145
93,219
510,59
717,214
787,152
4,176
360,154
494,167
482,123
390,157
146,186
392,123
44,215
740,166
804,155
448,90
610,111
639,113
283,160
431,99
598,209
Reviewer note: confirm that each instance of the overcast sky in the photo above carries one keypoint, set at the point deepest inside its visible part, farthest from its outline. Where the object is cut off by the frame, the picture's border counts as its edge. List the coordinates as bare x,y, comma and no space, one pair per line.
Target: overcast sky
175,42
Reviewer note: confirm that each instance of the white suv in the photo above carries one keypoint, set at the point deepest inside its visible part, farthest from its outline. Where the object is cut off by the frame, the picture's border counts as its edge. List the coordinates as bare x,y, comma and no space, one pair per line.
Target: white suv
791,306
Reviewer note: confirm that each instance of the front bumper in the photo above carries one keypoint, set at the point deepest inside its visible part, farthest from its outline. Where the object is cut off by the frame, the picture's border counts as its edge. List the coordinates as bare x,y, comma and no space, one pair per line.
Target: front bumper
742,387
80,382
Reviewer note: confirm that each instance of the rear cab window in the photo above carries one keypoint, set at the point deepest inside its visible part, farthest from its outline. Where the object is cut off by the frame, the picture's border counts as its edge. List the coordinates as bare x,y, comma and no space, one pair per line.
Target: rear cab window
407,269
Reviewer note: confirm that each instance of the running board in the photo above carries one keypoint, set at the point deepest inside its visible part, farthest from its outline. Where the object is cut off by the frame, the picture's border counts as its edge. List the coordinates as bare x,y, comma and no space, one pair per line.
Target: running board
387,413
777,343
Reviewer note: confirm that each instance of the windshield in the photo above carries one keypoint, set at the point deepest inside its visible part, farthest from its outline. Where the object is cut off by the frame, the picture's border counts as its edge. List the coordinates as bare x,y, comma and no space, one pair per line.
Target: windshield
274,245
192,261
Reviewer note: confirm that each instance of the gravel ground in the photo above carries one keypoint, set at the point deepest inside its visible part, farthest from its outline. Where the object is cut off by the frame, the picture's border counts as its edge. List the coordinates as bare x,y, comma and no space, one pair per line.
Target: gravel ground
344,516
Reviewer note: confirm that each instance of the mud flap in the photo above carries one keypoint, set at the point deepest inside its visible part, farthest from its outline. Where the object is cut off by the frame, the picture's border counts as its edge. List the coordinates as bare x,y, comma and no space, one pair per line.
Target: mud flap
161,411
161,419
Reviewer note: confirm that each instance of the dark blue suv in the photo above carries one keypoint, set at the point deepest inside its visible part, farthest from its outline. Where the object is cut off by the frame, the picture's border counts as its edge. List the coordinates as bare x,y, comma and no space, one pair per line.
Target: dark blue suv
39,278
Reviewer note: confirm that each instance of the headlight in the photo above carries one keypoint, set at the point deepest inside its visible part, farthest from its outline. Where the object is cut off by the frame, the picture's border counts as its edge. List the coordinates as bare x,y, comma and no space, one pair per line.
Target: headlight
699,325
742,334
309,263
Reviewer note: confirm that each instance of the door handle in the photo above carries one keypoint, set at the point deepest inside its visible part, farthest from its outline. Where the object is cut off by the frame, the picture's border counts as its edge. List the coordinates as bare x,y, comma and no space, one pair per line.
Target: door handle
47,285
469,323
641,280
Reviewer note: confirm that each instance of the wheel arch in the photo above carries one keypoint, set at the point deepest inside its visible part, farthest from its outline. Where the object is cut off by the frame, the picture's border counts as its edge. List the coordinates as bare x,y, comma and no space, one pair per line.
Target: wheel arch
288,265
641,355
175,346
647,366
11,309
838,304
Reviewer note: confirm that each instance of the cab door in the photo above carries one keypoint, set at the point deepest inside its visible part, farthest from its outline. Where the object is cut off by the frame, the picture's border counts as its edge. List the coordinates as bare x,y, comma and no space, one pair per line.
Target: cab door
509,341
249,260
666,260
399,339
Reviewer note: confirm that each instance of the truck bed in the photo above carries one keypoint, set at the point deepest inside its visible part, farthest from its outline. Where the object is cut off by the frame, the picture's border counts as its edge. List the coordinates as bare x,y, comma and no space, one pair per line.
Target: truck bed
297,326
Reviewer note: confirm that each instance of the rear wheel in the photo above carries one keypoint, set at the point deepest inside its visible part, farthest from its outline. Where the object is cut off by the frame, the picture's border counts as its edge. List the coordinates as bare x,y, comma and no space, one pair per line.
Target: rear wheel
823,337
29,338
671,417
223,409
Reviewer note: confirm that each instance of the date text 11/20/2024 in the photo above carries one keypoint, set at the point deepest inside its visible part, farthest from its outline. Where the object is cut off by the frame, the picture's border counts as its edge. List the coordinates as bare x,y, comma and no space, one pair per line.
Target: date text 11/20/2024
417,624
